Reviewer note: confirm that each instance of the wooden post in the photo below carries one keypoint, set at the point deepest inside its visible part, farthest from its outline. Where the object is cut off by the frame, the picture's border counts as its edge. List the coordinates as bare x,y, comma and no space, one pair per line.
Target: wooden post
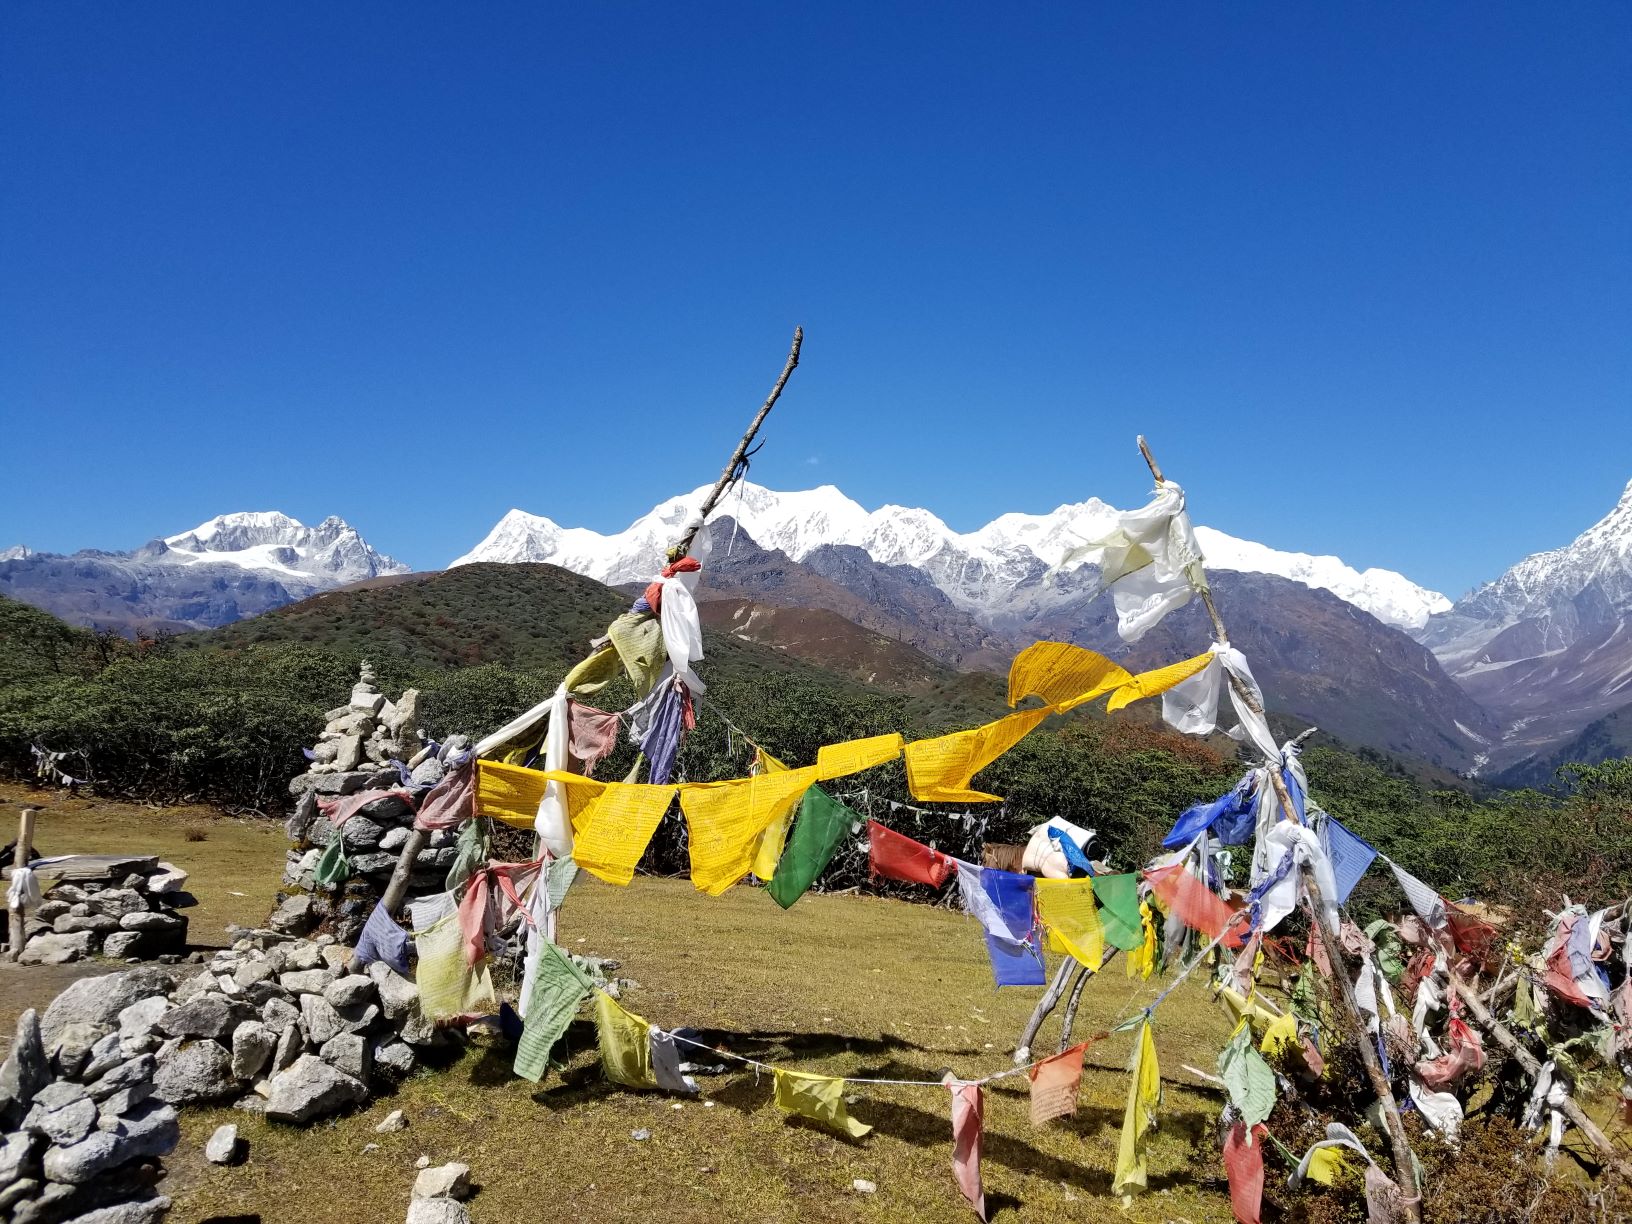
1504,1038
20,857
730,474
1404,1167
396,887
1051,999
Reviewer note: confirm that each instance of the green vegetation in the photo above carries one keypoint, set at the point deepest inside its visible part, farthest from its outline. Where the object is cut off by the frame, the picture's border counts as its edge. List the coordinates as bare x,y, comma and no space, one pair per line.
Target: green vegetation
222,716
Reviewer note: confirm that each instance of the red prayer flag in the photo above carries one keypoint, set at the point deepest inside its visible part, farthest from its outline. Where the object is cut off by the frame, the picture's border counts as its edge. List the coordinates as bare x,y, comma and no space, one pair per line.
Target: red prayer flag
1244,1162
1054,1084
1195,904
900,858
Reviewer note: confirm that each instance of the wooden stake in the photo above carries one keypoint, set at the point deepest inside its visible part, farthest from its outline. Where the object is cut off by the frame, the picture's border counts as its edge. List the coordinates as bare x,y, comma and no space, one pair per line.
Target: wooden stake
730,474
1504,1038
1404,1166
21,854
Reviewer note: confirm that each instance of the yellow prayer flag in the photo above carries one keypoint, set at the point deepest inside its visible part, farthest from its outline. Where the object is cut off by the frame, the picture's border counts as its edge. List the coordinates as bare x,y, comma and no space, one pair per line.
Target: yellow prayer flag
1142,960
853,756
1325,1164
1066,909
817,1097
1150,683
448,985
939,770
616,827
768,849
1248,1008
725,821
1279,1033
1059,672
626,1044
509,793
1144,1095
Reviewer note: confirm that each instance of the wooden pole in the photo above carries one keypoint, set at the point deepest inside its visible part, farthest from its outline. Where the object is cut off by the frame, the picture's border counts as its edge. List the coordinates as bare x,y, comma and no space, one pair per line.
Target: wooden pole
20,857
1404,1166
1050,1000
396,888
730,473
1504,1038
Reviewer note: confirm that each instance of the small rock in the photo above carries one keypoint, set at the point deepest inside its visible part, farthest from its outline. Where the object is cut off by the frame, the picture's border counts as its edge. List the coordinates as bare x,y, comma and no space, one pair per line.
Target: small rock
393,1058
320,1019
106,1054
65,1125
294,916
291,1044
253,1045
349,991
393,839
139,1070
863,1186
167,879
137,1022
151,920
26,1069
209,1015
393,1121
71,1048
55,949
437,1211
641,1135
424,1162
351,1053
306,981
278,1014
449,1181
222,1147
116,902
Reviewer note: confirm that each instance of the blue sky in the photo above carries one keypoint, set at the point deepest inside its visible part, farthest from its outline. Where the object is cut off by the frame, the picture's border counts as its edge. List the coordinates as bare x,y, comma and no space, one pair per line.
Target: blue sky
1360,271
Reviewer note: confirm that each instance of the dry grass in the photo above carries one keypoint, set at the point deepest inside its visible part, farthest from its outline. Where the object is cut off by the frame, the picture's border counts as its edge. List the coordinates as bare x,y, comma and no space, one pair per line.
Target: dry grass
842,985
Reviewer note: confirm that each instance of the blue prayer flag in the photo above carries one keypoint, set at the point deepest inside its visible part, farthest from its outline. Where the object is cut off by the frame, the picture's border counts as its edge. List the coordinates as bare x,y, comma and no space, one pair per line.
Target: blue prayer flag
383,940
1011,892
1351,857
1014,963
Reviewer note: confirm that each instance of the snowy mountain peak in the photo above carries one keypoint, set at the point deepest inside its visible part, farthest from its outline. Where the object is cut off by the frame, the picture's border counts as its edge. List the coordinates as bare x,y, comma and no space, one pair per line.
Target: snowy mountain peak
272,542
16,553
978,570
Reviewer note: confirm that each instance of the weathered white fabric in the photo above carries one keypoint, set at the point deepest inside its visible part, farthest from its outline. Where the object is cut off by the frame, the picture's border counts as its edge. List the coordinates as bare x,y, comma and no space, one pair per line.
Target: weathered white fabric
1441,1110
23,893
1428,904
1191,706
1301,842
682,631
552,824
978,903
1149,560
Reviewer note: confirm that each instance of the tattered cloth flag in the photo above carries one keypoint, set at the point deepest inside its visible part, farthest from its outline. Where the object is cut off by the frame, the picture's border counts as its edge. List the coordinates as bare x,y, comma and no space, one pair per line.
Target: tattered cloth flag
897,857
448,986
1118,897
968,1120
626,1044
1002,900
1144,1095
1015,963
1054,1084
558,987
383,940
1430,907
1351,857
666,1065
821,825
1247,1077
1244,1164
1066,910
817,1097
1196,905
939,770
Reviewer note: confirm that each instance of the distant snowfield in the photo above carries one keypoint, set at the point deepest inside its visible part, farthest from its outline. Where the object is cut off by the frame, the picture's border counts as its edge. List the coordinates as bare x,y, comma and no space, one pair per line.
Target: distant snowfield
977,569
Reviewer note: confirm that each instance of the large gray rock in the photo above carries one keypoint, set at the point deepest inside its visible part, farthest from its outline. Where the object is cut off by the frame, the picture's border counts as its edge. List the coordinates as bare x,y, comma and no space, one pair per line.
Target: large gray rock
350,753
377,863
25,1071
122,945
209,1015
197,1071
70,1050
279,1014
305,812
153,920
319,1018
393,839
252,1047
52,948
329,783
291,1044
136,1211
351,1053
437,1211
105,1056
294,916
349,991
140,1070
167,879
427,773
306,981
393,1058
19,1156
360,833
137,1022
117,902
449,1181
150,1131
99,1000
95,924
312,1089
66,1124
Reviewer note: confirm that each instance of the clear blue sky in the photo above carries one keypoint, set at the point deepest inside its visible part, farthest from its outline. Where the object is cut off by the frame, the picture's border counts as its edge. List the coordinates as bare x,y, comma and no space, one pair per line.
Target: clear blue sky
1362,272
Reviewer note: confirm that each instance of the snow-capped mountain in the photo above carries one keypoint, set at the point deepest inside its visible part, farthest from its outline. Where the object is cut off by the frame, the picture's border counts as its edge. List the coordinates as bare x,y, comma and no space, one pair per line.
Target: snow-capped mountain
233,566
1547,647
992,572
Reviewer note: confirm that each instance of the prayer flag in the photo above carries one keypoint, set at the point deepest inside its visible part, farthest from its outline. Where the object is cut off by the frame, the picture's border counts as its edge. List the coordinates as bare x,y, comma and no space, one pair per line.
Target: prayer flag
1141,961
897,857
666,1065
939,770
1013,893
1246,1076
1244,1163
1059,672
1429,905
817,1097
1118,897
1350,857
1067,911
1196,905
1144,1095
383,940
1014,963
726,819
616,826
853,756
968,1117
1054,1083
626,1044
509,793
558,987
448,986
821,826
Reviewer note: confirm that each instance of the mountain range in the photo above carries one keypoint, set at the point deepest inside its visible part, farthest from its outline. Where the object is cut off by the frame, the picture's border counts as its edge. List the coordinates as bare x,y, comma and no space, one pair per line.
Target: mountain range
1517,676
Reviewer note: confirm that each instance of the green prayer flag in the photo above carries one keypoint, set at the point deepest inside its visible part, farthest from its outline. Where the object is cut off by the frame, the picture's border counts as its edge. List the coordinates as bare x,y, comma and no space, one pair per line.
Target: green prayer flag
1118,897
470,854
333,868
1247,1076
562,872
821,825
558,988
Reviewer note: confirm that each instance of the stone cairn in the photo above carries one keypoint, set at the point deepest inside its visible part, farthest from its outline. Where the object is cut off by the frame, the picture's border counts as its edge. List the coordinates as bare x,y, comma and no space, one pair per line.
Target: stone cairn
118,906
358,751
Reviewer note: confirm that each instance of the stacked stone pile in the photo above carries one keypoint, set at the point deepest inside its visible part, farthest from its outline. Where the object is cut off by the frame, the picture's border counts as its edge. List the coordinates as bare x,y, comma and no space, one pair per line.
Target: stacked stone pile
122,907
274,1025
358,751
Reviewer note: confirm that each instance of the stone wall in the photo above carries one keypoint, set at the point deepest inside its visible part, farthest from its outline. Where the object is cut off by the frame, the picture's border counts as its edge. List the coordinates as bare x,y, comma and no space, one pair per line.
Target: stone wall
123,907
